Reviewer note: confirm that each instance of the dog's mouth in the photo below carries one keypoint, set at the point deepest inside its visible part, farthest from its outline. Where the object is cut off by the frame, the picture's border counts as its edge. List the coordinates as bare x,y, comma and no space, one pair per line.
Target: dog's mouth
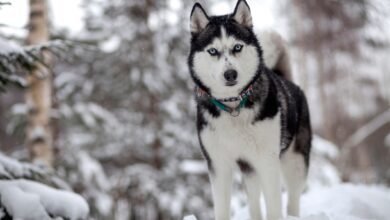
232,83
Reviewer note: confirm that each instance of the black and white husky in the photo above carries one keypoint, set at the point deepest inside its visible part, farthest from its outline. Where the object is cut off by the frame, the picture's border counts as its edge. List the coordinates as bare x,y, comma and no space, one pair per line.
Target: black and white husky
249,113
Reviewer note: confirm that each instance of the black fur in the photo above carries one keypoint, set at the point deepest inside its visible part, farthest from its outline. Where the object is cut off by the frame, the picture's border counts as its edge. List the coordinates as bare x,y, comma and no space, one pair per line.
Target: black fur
244,166
213,30
272,92
201,123
206,156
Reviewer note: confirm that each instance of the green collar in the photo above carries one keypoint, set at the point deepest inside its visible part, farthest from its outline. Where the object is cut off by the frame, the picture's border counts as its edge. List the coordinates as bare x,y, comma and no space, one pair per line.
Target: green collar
243,98
233,111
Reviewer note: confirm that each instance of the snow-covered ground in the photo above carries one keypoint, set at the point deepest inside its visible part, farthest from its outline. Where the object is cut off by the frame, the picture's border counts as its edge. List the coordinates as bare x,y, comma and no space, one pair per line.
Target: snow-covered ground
346,202
339,202
326,198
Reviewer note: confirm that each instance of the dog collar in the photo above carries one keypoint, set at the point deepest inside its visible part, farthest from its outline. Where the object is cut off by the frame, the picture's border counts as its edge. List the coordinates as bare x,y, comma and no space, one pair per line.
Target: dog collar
243,98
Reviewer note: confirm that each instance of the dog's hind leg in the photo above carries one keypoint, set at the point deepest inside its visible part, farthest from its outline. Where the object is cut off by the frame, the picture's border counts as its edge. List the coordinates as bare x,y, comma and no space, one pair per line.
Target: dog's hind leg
253,191
294,173
221,183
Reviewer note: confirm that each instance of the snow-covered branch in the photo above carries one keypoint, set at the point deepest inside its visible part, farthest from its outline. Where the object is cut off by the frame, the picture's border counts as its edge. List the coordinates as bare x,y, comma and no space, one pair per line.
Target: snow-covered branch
25,199
24,196
15,59
11,169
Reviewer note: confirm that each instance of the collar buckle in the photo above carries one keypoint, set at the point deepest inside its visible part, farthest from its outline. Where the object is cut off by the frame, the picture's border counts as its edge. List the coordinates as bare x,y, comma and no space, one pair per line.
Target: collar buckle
235,112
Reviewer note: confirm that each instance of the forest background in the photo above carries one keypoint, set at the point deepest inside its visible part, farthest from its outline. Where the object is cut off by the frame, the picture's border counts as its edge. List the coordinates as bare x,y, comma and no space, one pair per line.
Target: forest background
112,110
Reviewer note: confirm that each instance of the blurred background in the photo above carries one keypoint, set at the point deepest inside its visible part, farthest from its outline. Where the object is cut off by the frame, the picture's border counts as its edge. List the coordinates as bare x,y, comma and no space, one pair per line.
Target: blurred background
121,129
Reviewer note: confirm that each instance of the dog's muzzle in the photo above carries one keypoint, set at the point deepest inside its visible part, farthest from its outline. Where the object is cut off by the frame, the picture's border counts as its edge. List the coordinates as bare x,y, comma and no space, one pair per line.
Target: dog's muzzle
230,77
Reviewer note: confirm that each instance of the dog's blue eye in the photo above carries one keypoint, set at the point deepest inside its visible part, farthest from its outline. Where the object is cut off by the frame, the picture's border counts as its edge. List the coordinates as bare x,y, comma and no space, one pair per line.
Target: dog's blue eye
237,48
212,51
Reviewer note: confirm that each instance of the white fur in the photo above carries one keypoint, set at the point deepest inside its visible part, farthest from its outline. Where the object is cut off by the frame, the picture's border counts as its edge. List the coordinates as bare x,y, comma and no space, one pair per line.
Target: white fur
275,53
294,173
210,69
228,139
271,49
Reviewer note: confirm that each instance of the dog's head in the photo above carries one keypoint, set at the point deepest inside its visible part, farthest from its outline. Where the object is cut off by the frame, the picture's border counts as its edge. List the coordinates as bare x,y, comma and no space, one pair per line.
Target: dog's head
225,53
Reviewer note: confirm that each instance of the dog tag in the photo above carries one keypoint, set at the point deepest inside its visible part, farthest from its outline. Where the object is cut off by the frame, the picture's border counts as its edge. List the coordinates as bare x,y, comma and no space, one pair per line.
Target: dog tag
235,113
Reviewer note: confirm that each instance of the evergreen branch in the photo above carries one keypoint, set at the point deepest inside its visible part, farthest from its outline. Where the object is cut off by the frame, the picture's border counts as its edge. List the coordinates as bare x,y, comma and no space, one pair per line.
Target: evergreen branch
17,59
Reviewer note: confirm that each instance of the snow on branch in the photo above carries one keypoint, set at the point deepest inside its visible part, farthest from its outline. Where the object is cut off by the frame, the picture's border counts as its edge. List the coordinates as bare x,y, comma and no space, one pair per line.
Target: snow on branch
26,192
11,169
15,59
25,199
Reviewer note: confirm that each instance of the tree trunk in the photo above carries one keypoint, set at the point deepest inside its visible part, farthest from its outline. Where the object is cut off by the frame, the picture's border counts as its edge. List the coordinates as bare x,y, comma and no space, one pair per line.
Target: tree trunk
38,95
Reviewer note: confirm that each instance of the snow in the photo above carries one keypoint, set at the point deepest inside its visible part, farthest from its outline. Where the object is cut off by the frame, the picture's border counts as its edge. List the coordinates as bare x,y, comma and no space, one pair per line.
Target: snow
94,177
323,216
19,109
29,200
92,171
356,201
104,203
21,205
339,202
191,217
85,115
38,132
25,199
324,147
322,172
66,78
8,46
10,168
193,167
13,169
111,44
326,198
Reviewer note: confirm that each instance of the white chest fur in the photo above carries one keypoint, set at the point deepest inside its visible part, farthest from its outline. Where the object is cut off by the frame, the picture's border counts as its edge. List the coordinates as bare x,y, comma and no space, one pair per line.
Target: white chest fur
228,138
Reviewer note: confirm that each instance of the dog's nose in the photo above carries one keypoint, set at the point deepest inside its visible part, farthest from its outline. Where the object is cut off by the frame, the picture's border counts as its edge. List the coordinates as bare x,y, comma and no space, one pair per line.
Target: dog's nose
230,75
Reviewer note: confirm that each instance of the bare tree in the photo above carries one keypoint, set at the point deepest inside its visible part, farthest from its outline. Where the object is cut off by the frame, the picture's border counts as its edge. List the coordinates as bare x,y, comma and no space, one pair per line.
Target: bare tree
38,93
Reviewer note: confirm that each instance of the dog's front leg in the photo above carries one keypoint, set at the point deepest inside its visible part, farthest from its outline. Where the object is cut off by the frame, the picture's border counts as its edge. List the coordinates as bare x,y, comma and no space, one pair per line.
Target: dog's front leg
270,181
221,183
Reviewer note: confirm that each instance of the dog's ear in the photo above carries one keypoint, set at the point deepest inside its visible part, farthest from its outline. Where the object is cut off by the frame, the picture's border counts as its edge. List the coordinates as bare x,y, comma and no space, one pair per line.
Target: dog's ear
199,19
242,14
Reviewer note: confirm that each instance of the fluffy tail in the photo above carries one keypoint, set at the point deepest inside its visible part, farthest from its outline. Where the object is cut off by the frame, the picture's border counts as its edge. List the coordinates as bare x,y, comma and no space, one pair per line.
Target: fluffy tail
275,54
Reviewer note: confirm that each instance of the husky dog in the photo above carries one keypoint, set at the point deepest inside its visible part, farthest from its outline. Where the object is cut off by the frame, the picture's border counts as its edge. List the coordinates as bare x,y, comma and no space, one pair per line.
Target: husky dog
249,113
